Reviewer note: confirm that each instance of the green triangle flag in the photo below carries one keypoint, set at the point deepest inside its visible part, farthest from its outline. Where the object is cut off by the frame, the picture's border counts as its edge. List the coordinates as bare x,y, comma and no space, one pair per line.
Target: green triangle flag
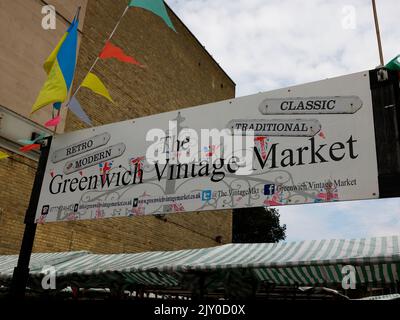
394,64
155,6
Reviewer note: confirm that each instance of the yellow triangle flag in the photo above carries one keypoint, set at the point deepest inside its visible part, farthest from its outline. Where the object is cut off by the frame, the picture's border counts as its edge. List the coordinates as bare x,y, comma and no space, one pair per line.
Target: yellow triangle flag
53,90
3,155
48,64
93,83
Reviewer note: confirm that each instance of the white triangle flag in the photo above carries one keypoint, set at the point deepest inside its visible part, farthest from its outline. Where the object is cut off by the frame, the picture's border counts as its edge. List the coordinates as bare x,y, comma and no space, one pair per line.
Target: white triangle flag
76,108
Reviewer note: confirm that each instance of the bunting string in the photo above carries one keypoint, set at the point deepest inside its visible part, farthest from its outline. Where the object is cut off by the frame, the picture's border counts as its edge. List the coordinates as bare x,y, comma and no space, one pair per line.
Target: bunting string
98,58
90,80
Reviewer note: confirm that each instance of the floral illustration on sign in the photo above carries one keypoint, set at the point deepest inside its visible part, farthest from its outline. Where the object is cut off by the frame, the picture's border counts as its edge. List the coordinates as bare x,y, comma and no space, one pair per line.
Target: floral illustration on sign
72,217
210,151
177,207
42,219
261,143
104,168
136,165
275,200
328,194
99,213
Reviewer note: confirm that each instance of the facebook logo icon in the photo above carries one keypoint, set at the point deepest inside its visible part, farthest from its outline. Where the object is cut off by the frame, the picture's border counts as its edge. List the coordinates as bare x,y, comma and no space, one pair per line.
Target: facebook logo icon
206,195
269,189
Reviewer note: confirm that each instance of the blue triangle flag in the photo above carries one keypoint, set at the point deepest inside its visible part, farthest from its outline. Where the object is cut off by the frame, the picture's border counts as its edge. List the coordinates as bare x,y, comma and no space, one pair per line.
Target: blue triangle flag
76,108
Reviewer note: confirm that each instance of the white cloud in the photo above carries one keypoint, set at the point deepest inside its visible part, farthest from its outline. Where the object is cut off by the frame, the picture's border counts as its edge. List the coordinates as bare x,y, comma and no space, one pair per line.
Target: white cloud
352,219
264,45
269,44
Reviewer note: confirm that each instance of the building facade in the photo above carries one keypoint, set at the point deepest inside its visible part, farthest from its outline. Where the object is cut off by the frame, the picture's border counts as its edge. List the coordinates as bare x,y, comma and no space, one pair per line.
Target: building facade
178,72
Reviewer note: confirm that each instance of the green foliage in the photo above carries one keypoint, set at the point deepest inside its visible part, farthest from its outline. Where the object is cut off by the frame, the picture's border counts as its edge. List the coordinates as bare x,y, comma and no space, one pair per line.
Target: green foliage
257,225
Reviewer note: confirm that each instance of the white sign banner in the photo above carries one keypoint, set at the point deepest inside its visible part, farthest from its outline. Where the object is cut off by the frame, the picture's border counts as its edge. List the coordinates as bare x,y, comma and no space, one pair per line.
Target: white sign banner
309,143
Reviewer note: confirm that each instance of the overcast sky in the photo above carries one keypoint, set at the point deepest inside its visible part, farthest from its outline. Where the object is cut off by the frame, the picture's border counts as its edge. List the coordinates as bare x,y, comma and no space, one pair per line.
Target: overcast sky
269,44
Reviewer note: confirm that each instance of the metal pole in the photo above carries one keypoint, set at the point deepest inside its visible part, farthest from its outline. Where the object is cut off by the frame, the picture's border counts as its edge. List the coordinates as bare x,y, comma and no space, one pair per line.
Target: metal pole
378,34
21,271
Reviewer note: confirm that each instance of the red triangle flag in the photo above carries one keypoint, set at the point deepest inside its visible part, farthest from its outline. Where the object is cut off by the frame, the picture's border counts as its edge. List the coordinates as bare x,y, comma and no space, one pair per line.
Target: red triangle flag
111,51
30,147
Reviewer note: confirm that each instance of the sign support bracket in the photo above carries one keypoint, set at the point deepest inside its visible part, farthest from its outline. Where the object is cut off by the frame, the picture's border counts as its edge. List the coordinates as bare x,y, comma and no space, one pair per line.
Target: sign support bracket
21,271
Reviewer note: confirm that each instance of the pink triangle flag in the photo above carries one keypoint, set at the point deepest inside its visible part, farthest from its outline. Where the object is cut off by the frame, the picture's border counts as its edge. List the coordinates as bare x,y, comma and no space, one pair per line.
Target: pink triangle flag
53,122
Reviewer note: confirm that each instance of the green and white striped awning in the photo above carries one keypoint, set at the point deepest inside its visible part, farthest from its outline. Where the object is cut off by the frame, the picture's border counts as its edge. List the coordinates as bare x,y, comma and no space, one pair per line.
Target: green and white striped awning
37,262
306,263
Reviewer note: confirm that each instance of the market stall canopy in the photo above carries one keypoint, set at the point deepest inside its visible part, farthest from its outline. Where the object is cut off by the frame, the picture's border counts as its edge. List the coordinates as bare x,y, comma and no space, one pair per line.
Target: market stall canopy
306,263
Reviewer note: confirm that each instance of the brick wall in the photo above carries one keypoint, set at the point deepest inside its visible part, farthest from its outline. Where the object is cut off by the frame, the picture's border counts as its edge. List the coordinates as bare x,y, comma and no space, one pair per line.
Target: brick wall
17,174
179,73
